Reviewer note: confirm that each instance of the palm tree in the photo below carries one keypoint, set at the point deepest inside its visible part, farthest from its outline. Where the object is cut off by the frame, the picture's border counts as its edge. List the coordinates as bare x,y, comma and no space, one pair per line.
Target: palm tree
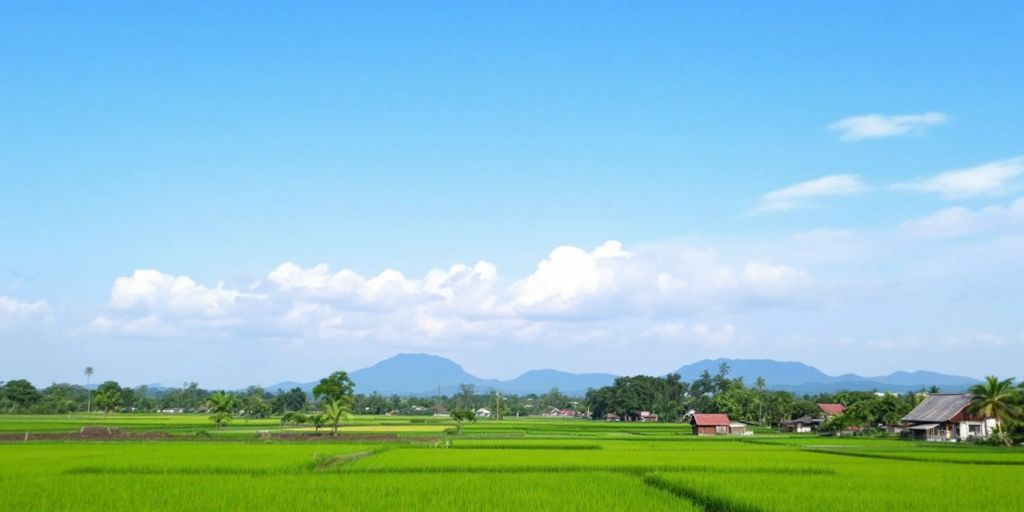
220,405
335,411
994,399
88,375
318,420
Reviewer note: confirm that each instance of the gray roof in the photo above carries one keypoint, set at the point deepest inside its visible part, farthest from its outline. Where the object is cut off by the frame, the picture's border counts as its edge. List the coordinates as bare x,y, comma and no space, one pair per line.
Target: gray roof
939,407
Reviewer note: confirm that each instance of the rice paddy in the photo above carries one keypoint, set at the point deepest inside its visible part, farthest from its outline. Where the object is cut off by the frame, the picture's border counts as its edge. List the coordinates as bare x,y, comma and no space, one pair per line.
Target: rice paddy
508,465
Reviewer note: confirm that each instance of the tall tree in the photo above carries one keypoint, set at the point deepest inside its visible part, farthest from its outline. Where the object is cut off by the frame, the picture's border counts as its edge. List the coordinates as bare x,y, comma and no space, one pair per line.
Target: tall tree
466,394
995,398
335,388
88,376
22,393
220,405
109,396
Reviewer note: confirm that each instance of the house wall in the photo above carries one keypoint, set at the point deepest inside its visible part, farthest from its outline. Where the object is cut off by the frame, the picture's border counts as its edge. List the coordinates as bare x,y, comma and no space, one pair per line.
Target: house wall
705,431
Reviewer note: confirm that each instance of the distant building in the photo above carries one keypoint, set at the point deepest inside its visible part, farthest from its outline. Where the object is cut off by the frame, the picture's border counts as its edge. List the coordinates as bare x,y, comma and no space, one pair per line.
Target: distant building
832,410
646,416
802,425
710,424
737,428
483,413
944,417
440,410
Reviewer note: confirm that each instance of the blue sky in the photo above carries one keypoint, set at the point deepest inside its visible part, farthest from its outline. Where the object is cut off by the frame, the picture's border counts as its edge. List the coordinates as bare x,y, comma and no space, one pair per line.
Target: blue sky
216,145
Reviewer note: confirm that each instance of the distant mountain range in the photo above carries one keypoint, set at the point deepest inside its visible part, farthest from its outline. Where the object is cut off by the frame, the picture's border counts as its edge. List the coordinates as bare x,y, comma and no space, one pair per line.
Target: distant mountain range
424,374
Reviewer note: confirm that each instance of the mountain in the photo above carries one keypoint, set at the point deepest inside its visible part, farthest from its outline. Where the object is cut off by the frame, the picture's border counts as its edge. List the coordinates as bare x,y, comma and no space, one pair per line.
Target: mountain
803,379
775,373
424,374
540,381
411,374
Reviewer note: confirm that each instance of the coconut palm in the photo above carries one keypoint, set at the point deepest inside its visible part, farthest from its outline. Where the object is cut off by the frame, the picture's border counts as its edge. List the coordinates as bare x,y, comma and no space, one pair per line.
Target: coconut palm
994,398
88,376
220,405
335,412
318,420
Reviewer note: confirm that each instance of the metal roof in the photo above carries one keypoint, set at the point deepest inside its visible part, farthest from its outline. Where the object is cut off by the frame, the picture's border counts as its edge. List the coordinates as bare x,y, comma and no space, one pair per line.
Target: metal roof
925,426
939,407
710,420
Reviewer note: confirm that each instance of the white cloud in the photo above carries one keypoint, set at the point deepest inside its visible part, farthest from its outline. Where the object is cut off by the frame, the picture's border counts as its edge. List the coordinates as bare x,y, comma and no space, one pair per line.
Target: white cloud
804,193
12,310
993,178
571,274
873,126
155,290
960,221
572,286
700,333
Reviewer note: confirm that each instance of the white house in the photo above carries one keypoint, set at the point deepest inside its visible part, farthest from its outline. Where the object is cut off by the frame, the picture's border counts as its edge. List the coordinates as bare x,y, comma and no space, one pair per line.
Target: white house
483,413
944,417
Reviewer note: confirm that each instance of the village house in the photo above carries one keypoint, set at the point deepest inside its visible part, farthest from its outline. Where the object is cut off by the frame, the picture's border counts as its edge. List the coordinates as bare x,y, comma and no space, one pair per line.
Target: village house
802,425
831,410
483,413
737,428
710,424
646,416
944,417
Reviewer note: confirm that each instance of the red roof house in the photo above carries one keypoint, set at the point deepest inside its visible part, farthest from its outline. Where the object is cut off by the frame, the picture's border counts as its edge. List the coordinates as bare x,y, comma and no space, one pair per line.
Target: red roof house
710,424
832,409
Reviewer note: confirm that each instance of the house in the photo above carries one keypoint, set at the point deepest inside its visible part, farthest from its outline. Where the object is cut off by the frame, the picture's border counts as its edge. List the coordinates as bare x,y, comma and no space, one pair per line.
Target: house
646,416
944,417
802,425
483,413
710,424
737,428
612,417
440,410
832,410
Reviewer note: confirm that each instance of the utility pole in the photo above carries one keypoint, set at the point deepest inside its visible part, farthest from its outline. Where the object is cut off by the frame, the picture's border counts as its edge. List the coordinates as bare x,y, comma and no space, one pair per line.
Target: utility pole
497,405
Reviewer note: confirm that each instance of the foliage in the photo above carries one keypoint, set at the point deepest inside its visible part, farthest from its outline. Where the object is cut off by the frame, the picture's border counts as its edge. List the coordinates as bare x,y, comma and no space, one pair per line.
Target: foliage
996,399
335,388
220,405
336,411
461,415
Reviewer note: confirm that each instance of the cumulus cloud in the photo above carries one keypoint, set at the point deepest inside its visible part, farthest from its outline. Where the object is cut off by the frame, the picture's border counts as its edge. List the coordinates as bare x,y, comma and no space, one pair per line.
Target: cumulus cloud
571,286
13,310
874,126
993,178
803,194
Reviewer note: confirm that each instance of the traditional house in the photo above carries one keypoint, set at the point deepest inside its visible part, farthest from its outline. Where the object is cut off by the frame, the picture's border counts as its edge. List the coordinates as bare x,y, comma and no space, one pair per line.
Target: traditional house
710,424
831,410
944,417
612,417
483,413
646,416
802,425
737,428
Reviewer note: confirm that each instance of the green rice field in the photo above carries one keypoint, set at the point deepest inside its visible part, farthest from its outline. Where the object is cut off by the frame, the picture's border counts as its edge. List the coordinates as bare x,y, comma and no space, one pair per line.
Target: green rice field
537,464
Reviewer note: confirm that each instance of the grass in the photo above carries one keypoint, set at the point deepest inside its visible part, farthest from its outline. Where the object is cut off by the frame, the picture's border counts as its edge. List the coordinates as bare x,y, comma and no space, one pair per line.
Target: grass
509,465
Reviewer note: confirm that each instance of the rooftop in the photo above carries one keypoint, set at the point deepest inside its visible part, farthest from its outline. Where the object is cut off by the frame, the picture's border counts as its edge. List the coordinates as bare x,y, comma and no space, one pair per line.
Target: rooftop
710,420
939,407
